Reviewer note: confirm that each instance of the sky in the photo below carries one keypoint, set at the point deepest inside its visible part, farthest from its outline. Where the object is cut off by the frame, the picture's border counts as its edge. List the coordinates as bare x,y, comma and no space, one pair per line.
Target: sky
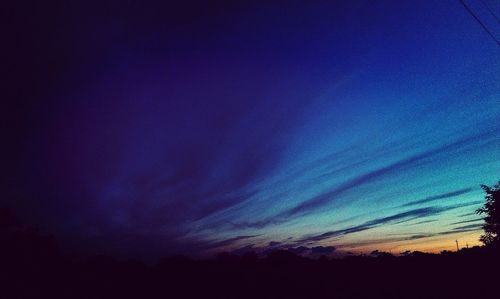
154,128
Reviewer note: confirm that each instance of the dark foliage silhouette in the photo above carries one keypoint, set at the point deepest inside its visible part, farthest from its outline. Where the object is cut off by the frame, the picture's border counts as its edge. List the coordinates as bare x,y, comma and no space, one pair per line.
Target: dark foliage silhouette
491,208
31,266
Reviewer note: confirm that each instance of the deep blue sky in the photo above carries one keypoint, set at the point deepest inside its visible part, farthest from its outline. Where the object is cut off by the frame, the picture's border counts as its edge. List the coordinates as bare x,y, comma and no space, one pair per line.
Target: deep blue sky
160,128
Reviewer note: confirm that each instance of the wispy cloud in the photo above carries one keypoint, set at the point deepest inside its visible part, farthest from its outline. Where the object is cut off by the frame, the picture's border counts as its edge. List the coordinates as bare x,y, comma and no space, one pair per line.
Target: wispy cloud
408,215
437,197
423,222
443,233
226,242
470,226
467,221
325,198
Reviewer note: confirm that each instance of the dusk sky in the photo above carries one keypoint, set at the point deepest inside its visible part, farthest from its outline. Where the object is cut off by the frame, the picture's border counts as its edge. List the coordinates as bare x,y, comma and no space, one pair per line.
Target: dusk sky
147,129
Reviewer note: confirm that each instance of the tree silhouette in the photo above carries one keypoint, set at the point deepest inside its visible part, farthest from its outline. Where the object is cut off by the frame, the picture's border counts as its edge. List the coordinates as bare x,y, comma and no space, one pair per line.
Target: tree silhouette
492,220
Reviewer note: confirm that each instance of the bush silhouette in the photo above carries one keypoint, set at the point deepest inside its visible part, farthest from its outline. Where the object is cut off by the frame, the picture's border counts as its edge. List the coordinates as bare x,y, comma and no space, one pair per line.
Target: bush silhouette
491,208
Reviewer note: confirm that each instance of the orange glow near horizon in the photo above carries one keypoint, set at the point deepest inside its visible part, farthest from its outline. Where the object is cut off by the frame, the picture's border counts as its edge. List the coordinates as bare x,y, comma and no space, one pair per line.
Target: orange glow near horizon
434,244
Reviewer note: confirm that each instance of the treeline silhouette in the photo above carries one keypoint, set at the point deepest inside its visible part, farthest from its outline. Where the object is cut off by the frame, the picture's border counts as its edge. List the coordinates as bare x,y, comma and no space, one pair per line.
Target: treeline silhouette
33,267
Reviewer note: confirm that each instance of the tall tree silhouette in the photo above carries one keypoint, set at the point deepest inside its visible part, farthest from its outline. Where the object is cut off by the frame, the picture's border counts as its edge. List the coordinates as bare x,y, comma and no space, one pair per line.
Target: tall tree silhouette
492,220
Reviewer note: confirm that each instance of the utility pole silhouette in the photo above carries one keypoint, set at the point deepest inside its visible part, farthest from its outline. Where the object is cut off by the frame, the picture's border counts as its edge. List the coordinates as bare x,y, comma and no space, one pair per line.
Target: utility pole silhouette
456,241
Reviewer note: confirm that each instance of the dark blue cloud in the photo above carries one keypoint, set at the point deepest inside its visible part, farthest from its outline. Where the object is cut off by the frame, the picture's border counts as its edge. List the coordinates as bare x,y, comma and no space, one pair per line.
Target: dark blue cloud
467,214
443,233
298,250
439,196
323,199
226,242
409,237
244,249
326,250
467,221
470,226
406,216
423,221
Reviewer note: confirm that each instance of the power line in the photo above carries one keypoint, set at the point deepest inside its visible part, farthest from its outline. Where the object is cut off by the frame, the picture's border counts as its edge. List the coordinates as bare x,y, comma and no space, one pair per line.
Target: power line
479,21
490,10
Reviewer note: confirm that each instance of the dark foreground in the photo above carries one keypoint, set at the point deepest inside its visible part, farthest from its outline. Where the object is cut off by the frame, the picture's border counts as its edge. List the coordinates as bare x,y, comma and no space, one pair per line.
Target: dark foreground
467,274
32,267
